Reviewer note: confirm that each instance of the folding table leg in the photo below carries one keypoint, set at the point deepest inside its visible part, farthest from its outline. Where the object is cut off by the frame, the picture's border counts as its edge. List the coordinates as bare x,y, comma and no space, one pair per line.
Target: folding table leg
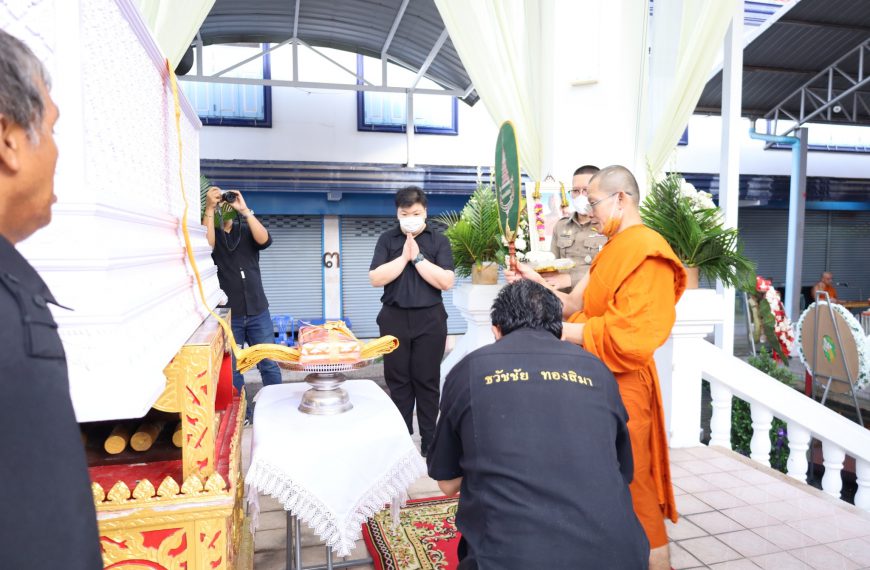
291,526
298,551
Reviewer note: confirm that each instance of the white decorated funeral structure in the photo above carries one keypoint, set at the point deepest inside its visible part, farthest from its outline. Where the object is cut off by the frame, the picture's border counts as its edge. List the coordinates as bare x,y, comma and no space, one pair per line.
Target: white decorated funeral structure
114,251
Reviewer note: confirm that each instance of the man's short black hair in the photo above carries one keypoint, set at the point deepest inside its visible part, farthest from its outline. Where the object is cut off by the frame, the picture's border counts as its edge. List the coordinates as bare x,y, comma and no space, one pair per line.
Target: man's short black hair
526,304
586,169
409,196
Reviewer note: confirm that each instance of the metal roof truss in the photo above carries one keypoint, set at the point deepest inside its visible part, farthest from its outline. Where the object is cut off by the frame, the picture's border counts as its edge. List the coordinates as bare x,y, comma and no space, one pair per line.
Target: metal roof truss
835,95
360,85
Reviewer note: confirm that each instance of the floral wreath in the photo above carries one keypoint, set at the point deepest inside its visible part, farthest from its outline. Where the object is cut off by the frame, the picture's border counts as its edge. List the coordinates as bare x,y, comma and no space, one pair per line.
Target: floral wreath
774,322
857,332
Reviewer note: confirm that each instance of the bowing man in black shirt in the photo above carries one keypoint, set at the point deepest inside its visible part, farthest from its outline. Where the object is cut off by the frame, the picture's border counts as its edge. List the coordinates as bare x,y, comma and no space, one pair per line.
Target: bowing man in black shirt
533,431
413,263
236,253
47,518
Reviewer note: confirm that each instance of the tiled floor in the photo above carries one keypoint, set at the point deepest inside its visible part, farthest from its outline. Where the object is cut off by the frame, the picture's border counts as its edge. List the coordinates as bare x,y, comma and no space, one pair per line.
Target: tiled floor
737,515
734,515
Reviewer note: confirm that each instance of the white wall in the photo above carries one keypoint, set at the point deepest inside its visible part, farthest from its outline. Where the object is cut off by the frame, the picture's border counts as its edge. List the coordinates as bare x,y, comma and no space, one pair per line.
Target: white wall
592,124
702,154
321,125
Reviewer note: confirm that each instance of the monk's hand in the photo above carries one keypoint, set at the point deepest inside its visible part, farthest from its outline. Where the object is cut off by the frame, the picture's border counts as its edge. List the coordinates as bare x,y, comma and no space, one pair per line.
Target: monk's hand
557,280
511,276
573,332
523,272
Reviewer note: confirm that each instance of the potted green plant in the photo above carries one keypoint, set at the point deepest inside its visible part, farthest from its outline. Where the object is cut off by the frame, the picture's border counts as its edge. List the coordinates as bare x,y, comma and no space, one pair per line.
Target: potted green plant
474,236
693,226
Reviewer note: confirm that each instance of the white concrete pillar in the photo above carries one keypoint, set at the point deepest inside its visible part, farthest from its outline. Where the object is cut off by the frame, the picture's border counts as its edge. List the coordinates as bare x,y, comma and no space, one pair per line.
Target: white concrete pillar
474,303
680,369
331,263
729,168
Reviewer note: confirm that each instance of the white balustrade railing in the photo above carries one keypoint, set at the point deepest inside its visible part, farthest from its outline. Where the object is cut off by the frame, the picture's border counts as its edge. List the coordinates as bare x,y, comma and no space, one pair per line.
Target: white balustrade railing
805,418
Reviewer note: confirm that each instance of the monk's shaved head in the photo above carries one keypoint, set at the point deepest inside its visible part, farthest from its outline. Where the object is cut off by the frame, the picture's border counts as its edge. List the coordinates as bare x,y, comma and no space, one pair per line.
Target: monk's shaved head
617,178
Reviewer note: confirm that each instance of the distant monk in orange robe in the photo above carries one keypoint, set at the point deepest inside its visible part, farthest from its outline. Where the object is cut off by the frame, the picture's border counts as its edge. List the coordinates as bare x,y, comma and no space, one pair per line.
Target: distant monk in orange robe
827,285
622,311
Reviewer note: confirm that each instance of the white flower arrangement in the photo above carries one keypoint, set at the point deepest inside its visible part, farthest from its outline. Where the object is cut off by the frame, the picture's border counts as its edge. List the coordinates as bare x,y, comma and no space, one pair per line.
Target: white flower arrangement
862,342
699,200
694,227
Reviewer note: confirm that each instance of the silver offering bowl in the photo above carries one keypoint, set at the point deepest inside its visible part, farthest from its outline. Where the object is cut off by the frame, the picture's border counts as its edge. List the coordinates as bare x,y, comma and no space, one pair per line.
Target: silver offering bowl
326,397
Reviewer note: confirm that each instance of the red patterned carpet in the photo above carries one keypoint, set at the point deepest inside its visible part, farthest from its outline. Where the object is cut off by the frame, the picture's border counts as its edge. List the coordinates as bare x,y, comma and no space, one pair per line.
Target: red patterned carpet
425,539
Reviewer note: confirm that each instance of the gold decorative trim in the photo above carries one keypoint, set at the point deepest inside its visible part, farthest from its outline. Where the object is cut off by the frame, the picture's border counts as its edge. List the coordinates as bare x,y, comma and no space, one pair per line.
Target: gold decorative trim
160,517
235,471
168,492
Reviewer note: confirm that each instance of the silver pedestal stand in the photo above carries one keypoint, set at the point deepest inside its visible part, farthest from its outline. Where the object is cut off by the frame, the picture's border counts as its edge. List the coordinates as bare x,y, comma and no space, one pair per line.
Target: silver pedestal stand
325,397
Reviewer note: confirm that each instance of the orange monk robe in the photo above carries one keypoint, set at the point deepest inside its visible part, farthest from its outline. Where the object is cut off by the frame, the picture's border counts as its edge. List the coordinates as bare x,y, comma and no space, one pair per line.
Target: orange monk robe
629,308
831,290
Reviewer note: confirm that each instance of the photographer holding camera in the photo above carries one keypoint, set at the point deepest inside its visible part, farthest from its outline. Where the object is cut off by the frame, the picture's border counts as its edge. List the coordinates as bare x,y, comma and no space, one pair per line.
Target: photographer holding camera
236,247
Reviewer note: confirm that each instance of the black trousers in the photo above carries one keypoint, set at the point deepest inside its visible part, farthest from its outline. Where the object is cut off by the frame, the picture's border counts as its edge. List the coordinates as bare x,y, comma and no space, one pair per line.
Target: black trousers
413,371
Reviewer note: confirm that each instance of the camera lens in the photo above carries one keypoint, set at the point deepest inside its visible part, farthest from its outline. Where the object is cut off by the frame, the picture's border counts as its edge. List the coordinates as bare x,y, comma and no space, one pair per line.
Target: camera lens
229,197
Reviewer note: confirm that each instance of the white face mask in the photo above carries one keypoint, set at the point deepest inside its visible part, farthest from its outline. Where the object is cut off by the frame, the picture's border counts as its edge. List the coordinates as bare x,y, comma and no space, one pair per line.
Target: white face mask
412,224
581,205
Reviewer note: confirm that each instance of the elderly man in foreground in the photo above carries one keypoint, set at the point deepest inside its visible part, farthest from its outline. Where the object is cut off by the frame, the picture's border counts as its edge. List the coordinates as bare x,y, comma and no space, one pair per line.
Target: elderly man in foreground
47,516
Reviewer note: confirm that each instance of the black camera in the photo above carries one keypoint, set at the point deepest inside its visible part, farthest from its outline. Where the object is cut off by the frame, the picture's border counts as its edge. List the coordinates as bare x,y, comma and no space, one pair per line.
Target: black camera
229,197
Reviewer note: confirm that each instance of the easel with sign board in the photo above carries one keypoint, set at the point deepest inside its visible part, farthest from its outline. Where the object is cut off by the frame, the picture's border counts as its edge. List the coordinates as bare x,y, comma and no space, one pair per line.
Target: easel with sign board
832,350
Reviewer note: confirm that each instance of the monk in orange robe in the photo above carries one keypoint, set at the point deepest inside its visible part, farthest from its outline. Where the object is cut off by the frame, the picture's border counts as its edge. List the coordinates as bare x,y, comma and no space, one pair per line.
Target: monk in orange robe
826,284
621,312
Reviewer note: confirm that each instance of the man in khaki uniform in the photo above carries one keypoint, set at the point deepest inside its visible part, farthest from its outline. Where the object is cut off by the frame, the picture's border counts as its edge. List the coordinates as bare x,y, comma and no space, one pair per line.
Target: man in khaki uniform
574,237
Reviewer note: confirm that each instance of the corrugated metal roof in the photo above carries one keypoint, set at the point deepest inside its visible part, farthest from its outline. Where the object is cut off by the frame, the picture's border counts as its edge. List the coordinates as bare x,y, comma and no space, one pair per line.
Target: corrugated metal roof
803,41
359,26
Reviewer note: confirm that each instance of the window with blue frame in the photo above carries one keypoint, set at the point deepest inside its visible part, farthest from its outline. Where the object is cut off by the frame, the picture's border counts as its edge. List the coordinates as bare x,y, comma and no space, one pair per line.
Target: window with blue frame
386,112
227,104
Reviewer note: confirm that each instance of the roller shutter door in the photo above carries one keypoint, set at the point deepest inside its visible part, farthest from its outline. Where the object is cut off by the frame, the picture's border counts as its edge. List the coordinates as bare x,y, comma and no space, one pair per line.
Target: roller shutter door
849,252
765,240
291,266
360,301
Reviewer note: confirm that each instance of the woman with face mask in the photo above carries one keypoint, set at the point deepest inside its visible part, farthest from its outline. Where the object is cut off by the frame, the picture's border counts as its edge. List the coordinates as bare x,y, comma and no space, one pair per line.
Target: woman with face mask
413,263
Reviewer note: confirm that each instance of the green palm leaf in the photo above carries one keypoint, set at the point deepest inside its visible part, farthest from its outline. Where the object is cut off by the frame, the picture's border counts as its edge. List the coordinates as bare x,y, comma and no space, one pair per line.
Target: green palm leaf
697,236
474,233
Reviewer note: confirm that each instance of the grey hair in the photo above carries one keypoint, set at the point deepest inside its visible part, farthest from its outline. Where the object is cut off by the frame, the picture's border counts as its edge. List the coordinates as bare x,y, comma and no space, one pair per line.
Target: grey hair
20,73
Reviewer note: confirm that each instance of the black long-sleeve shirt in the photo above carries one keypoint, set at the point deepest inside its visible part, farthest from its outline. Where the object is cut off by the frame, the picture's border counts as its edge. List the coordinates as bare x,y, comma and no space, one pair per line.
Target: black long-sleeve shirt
237,257
47,519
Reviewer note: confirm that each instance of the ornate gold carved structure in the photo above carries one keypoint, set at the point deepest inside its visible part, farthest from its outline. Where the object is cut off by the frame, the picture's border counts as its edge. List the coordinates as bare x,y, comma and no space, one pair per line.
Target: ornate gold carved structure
195,522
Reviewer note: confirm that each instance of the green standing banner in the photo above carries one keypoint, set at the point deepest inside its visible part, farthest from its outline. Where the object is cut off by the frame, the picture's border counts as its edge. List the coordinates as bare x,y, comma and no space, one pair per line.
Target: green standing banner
508,189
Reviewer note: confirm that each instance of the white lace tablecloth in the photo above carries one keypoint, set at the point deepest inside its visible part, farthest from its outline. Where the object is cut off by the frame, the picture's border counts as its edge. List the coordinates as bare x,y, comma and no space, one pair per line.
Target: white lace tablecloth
332,472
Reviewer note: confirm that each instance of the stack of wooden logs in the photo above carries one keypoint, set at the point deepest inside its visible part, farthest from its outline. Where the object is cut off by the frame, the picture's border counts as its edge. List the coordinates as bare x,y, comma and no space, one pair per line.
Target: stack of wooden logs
139,440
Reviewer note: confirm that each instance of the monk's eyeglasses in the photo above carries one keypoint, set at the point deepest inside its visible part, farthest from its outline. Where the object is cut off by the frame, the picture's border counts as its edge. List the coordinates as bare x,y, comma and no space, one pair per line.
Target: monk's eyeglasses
576,191
596,202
